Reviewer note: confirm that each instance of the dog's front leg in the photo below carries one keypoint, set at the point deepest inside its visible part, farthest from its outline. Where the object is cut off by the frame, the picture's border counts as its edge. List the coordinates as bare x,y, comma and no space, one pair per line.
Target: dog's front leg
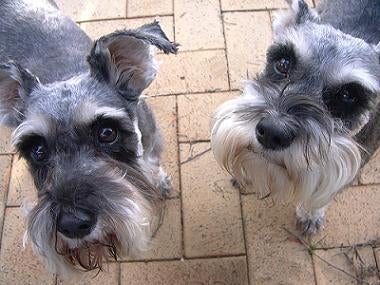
310,220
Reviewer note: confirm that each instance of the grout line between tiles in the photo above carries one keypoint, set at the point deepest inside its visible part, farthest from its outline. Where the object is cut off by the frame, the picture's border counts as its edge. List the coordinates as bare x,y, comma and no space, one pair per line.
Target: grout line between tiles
174,37
124,18
225,45
183,259
6,199
187,93
376,262
180,194
244,238
314,268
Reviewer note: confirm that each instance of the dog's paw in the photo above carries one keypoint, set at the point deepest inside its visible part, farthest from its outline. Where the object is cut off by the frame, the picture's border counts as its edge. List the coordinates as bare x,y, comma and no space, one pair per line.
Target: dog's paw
165,186
236,184
310,223
310,226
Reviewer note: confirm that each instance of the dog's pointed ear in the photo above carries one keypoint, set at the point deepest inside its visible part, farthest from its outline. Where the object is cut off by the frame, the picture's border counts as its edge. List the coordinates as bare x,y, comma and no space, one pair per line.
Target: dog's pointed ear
125,59
298,13
16,84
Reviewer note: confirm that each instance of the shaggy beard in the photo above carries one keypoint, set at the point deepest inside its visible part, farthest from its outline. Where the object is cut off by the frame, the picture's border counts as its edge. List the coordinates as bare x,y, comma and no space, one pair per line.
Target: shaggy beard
124,229
310,172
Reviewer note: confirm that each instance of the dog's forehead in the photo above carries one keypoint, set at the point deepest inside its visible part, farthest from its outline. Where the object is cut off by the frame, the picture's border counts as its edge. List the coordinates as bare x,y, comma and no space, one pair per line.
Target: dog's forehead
75,99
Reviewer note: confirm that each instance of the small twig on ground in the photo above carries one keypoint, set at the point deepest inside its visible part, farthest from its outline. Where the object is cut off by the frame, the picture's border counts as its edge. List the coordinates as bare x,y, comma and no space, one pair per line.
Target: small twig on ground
311,250
195,156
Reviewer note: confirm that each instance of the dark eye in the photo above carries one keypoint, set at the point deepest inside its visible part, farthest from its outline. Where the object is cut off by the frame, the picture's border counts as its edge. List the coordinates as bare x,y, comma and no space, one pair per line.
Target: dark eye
38,152
107,134
347,95
282,65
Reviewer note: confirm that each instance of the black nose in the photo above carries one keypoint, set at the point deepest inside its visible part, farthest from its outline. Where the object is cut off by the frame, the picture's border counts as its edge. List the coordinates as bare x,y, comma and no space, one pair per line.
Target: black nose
76,223
274,135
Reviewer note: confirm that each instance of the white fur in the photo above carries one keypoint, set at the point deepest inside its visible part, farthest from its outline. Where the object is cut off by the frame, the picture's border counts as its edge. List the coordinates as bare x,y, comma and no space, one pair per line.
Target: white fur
140,149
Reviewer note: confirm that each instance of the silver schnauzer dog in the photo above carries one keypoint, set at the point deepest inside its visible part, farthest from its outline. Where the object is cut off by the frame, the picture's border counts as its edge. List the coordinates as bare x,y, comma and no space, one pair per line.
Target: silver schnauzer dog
90,140
304,127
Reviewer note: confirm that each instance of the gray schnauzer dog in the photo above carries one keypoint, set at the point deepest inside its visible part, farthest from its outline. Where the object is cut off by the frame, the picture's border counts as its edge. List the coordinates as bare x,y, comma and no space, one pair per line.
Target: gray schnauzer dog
304,127
90,140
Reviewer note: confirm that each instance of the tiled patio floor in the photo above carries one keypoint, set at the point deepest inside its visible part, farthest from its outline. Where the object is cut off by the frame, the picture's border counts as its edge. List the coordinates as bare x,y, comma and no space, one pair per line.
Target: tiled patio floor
212,234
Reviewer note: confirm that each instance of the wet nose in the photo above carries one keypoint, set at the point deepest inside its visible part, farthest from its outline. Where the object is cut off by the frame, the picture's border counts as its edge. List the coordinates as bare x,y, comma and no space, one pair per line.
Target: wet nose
76,223
273,135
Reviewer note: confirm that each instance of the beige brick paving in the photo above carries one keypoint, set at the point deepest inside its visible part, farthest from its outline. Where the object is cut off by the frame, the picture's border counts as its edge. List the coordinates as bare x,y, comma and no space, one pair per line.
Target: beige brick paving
97,29
198,71
210,205
274,256
231,271
21,185
165,112
202,19
5,169
371,171
149,7
18,265
85,10
5,144
359,262
110,276
167,242
211,234
196,111
352,218
255,5
246,47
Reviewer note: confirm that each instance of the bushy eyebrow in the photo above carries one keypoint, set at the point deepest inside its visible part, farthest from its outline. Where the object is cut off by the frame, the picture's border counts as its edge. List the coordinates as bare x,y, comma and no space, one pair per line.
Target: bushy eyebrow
37,125
362,76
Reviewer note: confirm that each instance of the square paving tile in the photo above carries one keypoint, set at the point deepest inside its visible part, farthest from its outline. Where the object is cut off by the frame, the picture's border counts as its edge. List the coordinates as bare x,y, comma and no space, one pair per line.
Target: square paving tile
167,242
246,44
137,8
274,256
359,263
188,72
211,206
5,169
222,271
195,112
19,266
109,276
5,138
164,109
254,4
202,20
86,10
370,174
352,218
21,185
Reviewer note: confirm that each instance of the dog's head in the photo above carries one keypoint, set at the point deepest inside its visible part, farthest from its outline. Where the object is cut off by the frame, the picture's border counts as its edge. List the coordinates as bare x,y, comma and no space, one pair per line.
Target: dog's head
96,198
294,126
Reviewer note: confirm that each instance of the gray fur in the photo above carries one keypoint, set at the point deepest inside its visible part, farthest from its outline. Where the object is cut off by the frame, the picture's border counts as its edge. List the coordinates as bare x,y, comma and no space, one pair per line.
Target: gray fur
332,57
58,90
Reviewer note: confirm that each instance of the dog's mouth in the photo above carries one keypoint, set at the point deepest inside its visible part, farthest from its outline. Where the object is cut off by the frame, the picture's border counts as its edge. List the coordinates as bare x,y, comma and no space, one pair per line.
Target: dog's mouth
89,255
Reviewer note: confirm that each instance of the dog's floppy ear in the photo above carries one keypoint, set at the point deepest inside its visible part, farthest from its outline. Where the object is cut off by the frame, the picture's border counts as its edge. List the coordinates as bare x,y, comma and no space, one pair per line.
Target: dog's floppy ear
125,59
297,14
16,84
